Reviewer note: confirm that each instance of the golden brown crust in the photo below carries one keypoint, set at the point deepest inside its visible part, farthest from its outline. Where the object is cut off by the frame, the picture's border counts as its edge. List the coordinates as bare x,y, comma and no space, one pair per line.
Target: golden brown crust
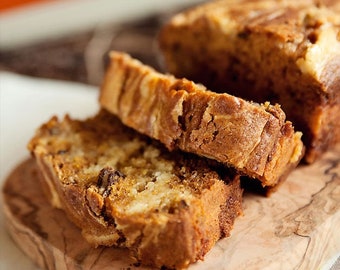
280,51
125,190
253,138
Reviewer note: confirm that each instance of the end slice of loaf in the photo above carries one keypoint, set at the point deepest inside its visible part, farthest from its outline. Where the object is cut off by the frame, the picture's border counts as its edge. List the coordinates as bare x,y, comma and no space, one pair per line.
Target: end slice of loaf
252,138
267,50
123,189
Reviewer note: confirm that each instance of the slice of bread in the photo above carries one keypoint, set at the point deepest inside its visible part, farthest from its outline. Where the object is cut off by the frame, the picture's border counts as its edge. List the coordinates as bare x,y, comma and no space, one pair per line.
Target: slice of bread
279,51
254,139
123,189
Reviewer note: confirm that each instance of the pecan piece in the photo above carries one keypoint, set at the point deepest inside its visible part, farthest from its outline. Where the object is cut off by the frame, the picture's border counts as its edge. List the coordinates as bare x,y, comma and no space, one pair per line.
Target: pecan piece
96,194
106,178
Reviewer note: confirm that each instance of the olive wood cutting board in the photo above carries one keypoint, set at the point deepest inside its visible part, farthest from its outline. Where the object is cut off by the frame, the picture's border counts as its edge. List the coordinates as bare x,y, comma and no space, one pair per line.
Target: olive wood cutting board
297,227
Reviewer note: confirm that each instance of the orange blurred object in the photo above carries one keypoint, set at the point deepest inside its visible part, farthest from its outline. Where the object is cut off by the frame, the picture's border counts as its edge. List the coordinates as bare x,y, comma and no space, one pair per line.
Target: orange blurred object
11,4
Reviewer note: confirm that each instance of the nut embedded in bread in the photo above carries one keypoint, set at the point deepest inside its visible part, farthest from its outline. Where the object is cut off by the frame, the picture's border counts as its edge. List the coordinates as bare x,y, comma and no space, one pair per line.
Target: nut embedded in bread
279,51
125,190
252,138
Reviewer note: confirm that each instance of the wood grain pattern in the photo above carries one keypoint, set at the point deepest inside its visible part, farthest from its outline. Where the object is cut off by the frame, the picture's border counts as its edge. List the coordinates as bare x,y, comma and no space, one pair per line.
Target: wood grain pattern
296,228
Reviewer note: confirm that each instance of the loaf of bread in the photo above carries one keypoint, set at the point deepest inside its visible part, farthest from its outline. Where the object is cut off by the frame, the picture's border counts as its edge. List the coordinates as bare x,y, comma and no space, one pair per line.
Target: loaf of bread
285,52
252,138
123,189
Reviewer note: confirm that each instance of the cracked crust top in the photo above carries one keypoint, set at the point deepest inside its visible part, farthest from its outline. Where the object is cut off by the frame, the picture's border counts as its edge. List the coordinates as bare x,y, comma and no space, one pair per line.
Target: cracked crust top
282,51
253,138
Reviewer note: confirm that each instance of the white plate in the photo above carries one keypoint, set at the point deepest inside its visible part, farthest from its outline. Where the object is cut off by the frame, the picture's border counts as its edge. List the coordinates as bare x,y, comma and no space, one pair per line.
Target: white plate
25,103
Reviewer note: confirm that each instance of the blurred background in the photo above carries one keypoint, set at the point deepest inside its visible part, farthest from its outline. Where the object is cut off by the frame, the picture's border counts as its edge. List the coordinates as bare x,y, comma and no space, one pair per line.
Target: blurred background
69,39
